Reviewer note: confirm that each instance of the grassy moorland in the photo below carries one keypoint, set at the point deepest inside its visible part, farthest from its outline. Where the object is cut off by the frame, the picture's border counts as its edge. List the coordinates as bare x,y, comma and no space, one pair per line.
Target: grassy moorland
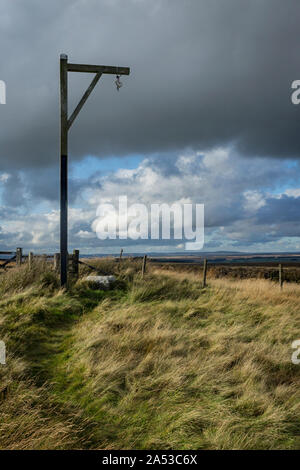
155,363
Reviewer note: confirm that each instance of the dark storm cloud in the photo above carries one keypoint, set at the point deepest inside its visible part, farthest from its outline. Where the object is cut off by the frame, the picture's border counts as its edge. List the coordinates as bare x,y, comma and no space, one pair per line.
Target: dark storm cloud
204,73
279,211
14,194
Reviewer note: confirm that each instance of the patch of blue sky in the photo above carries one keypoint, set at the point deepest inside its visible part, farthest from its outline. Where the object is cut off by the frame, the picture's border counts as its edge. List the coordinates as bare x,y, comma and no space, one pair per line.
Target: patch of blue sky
90,165
1,194
282,189
291,183
290,163
42,207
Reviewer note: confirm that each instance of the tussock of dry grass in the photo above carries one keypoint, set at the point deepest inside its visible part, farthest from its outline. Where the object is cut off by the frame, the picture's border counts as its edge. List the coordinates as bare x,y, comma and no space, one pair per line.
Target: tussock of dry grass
26,423
17,279
157,363
207,370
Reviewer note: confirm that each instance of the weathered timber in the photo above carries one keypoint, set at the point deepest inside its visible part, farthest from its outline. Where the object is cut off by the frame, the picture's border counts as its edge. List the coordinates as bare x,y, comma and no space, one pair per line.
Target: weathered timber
56,262
63,169
30,259
19,255
144,265
83,100
104,273
204,272
98,69
3,265
65,125
75,259
280,276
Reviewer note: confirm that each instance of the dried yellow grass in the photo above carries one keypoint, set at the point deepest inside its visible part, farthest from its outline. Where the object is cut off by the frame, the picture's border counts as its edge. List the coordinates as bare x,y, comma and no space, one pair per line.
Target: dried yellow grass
162,364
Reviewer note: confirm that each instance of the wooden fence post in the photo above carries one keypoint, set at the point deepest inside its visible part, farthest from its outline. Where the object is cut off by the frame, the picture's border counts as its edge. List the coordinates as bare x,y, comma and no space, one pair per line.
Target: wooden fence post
204,271
3,393
144,265
19,256
280,276
121,254
30,260
56,262
75,263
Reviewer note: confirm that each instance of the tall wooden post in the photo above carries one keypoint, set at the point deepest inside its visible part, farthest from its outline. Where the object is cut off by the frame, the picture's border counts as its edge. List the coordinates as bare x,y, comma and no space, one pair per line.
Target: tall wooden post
30,260
75,260
144,265
280,276
63,169
204,272
19,256
121,254
56,262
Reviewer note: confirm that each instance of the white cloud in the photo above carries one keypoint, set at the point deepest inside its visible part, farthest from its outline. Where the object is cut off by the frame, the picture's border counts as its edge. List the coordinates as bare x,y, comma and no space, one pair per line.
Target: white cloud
295,192
85,234
230,187
4,177
254,200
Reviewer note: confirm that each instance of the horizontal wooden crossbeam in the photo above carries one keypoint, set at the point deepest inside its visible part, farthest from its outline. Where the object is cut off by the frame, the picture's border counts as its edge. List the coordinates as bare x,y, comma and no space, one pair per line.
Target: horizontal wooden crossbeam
98,69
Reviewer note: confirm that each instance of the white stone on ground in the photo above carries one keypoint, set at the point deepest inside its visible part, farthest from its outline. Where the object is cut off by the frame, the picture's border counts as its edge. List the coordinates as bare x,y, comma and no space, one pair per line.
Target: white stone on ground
100,281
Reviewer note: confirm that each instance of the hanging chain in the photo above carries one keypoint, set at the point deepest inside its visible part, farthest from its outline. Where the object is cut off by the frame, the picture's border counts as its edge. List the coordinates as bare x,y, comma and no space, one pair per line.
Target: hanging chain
118,82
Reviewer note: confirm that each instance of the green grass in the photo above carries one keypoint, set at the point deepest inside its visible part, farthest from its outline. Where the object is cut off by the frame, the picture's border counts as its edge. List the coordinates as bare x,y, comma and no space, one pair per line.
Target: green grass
156,363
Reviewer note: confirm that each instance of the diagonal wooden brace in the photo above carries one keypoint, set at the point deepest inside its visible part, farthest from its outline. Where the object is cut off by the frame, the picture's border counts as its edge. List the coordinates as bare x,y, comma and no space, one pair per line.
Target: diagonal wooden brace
83,99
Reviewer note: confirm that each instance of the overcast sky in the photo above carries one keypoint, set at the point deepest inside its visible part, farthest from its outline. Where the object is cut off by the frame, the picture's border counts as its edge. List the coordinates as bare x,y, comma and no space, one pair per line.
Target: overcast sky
205,116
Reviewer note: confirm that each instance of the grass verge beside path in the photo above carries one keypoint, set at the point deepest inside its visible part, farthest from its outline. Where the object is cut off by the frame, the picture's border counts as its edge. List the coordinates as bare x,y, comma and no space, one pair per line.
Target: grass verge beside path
157,363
